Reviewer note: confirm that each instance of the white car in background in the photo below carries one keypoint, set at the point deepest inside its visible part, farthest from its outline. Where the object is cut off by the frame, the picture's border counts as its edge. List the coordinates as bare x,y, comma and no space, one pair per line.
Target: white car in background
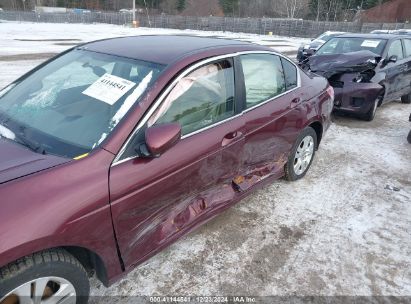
402,32
382,32
309,49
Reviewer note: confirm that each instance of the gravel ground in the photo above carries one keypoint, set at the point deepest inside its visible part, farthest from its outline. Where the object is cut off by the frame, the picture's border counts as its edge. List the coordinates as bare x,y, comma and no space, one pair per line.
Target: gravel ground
342,230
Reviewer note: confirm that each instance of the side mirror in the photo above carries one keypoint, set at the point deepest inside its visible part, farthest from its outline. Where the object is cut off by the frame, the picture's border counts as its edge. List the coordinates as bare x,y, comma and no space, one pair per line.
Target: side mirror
392,59
309,52
160,138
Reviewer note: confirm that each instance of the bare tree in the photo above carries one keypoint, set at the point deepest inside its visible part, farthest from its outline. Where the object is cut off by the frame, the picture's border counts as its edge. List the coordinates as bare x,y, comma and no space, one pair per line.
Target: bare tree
289,8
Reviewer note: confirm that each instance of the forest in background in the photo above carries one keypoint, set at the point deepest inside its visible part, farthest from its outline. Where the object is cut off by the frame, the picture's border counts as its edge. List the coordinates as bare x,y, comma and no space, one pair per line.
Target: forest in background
328,10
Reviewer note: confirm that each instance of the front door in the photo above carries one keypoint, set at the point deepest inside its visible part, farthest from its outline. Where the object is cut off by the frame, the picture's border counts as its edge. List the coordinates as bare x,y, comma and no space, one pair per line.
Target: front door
394,71
407,55
155,200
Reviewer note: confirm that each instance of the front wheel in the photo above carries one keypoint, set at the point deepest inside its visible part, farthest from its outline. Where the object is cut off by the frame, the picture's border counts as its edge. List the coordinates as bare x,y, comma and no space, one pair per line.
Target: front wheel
52,276
406,98
370,115
302,155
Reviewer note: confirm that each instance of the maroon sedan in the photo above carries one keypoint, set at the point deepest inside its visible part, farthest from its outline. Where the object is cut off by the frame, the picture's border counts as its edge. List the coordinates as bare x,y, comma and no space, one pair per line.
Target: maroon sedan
115,149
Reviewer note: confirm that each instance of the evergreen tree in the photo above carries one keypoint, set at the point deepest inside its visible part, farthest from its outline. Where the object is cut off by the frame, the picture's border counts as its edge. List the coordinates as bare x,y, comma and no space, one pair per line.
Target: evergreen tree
229,6
181,5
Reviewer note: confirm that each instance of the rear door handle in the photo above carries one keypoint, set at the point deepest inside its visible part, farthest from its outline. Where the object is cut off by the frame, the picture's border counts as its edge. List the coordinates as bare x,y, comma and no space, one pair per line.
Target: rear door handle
295,102
231,137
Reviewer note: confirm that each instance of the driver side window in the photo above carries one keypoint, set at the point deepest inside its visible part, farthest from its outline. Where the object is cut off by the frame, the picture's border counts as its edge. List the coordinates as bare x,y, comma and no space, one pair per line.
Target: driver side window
200,99
396,49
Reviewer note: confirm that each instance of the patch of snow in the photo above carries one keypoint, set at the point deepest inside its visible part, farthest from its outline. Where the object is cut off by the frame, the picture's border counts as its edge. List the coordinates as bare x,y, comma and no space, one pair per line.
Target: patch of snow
6,133
131,99
5,90
102,138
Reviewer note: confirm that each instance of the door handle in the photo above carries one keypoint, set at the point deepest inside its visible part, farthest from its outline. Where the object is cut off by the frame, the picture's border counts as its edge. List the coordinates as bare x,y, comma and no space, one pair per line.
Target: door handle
231,137
294,102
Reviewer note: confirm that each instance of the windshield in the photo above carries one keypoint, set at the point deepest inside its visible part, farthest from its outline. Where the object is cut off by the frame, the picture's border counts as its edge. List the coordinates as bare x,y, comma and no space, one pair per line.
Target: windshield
70,105
341,45
324,37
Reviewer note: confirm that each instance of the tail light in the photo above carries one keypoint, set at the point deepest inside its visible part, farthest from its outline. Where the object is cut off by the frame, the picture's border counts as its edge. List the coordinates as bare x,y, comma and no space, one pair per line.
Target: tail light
330,92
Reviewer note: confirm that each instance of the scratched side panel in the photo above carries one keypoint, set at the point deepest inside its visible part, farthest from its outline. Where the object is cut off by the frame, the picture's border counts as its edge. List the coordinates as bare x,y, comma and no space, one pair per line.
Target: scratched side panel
270,131
155,199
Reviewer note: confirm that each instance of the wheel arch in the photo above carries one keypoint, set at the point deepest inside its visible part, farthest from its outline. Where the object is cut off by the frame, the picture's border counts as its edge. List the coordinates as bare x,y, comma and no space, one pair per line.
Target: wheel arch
89,259
382,92
381,79
319,130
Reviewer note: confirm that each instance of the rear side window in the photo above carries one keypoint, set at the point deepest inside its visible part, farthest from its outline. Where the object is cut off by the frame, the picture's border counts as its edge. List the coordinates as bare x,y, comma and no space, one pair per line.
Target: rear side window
396,49
263,76
290,74
407,47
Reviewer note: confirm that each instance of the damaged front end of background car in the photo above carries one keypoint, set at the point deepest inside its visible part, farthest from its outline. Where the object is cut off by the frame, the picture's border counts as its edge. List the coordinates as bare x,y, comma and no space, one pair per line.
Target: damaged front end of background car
352,75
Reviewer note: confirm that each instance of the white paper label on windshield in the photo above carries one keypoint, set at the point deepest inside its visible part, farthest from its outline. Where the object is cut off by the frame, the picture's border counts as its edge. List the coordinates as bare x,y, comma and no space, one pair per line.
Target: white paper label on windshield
370,43
109,88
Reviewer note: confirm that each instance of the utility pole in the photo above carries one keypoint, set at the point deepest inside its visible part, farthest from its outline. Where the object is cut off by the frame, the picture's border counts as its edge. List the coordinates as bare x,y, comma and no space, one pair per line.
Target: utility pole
134,12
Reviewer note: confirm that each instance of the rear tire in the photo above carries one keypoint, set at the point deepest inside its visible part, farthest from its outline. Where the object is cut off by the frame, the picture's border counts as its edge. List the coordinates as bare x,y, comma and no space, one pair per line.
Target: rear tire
406,99
302,155
47,275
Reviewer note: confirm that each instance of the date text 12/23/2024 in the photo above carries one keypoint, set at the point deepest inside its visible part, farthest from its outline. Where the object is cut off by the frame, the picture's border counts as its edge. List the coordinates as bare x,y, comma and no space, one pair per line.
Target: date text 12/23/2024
202,299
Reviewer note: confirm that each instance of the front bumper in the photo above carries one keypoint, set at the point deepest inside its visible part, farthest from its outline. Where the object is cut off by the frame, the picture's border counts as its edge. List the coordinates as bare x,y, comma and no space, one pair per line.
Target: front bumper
303,53
353,97
300,54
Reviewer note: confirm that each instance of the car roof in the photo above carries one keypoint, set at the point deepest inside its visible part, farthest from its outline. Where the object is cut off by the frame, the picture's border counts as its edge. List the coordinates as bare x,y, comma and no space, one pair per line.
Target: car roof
369,36
163,49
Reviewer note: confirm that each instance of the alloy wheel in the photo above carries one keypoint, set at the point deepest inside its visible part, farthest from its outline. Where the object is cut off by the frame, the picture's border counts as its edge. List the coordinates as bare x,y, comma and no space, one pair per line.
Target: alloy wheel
45,290
374,110
303,155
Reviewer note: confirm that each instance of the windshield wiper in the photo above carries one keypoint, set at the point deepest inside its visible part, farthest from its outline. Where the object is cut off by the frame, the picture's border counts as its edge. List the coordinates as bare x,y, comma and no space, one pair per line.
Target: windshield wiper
20,137
28,142
7,134
31,144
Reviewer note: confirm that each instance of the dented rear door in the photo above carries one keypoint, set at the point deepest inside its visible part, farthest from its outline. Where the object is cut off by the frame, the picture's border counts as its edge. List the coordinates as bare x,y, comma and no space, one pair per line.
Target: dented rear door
272,117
